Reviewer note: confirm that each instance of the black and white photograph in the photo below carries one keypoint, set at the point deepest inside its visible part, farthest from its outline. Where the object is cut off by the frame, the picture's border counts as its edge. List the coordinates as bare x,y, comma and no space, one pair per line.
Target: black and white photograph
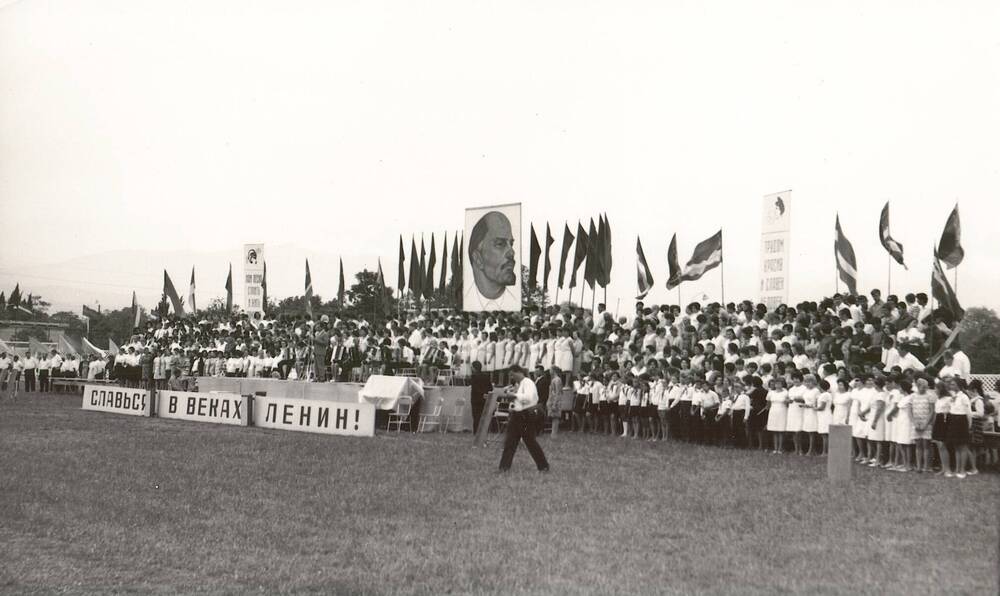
457,297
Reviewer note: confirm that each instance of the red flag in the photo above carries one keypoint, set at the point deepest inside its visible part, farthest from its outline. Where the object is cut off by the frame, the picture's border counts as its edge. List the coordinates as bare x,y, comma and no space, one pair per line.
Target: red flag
564,254
673,265
168,289
535,252
229,290
309,291
580,254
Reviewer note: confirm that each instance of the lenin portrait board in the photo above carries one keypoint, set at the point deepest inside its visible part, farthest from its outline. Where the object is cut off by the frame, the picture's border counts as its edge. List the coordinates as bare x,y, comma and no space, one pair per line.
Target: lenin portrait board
492,260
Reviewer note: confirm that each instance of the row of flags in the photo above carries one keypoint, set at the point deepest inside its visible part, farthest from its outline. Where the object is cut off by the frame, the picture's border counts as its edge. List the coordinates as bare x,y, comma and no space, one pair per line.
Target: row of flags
948,251
419,278
16,302
707,255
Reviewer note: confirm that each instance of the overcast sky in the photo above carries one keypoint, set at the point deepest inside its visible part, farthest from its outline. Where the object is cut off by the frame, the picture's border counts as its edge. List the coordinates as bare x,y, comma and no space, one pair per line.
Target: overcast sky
336,126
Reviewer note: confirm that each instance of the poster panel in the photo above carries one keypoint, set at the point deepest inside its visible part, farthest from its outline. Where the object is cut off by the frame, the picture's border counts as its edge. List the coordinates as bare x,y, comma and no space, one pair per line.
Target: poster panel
492,261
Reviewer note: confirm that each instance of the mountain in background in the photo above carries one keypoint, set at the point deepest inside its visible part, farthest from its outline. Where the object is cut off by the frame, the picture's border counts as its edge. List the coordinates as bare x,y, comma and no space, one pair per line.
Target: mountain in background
109,278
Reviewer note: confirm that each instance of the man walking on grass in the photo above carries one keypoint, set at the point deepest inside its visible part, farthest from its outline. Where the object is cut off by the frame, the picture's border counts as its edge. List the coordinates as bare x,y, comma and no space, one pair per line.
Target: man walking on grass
525,413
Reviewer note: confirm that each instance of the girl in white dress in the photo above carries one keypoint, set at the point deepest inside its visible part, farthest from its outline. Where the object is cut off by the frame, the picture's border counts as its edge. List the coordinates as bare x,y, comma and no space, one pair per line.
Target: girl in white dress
875,421
534,351
810,399
860,398
564,351
777,412
901,421
841,402
793,423
465,354
824,415
577,353
549,353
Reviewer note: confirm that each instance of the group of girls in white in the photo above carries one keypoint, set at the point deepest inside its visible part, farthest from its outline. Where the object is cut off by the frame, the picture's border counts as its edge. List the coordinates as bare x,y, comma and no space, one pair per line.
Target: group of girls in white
900,422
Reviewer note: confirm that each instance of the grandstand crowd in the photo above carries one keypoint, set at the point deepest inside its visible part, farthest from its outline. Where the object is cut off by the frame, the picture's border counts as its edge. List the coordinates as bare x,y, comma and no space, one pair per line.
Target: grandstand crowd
734,375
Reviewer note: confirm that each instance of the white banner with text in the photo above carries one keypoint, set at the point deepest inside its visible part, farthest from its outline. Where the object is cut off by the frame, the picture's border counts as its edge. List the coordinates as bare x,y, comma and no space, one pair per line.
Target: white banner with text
116,400
313,416
217,408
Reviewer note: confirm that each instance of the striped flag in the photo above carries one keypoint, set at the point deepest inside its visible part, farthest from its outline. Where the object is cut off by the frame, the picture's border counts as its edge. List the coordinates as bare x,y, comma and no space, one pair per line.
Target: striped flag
171,292
309,291
645,277
707,256
229,290
950,246
534,253
564,253
673,265
943,291
847,264
191,302
895,249
92,350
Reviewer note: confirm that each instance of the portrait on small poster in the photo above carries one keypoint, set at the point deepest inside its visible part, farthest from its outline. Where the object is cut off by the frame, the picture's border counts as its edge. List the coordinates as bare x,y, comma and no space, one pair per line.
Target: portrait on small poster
492,260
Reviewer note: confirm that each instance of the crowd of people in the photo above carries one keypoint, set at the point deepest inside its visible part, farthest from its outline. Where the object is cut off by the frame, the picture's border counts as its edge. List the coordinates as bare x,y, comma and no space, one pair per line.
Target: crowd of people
736,375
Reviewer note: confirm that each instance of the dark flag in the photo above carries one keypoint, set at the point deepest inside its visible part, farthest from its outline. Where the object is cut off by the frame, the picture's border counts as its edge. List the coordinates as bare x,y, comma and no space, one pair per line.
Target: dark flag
423,269
943,291
340,288
175,300
707,256
950,247
191,302
401,276
383,302
580,254
15,297
456,271
90,313
535,252
3,301
442,284
136,311
229,290
309,291
431,262
549,241
592,271
642,268
263,289
673,265
847,264
606,248
414,269
564,253
895,249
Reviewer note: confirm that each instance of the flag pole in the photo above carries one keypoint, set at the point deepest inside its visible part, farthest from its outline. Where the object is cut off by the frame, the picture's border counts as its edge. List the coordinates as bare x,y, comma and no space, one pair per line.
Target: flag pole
888,289
593,299
722,280
557,296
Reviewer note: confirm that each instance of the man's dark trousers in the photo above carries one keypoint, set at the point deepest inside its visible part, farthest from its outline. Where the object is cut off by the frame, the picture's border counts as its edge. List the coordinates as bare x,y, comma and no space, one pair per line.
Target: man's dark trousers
522,426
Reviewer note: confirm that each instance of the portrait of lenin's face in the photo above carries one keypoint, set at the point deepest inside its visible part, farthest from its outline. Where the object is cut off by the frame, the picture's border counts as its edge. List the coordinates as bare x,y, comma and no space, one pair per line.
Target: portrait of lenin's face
491,254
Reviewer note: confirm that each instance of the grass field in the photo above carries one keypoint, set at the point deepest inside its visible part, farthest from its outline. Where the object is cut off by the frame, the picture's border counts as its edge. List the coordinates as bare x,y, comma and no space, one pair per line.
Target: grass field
95,502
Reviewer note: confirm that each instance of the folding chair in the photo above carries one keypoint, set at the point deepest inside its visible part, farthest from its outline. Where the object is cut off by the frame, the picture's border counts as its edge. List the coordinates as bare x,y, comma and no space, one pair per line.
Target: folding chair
455,415
401,415
430,421
445,376
501,417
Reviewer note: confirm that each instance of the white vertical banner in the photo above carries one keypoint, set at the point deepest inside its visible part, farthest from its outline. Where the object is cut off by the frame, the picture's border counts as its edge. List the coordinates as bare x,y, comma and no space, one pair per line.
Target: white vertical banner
492,261
775,240
253,277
